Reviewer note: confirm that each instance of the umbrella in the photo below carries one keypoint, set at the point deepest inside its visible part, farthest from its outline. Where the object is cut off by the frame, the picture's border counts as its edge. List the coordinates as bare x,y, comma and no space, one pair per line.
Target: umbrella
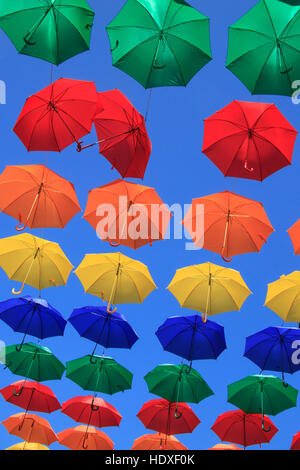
242,428
57,116
99,374
249,140
33,261
31,428
262,51
262,394
31,396
33,317
209,288
233,224
296,442
92,411
157,442
37,197
225,447
272,349
27,446
48,29
161,43
122,135
294,233
115,277
159,416
283,297
33,362
81,438
137,215
191,338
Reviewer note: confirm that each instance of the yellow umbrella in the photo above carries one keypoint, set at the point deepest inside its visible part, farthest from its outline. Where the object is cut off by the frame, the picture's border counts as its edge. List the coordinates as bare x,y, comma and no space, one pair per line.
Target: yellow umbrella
34,261
209,288
27,446
283,297
115,278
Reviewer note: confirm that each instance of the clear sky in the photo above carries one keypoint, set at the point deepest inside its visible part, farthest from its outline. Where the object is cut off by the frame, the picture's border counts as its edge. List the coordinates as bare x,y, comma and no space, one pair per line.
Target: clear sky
179,172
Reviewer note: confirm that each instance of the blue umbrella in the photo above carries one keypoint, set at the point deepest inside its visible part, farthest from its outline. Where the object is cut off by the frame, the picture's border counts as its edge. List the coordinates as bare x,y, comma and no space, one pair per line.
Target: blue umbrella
189,337
111,330
33,317
273,349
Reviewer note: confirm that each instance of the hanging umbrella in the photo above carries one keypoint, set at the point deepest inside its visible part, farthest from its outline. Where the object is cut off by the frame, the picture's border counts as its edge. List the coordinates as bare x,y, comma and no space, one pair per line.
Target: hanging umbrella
262,394
115,277
33,261
57,116
225,447
283,297
122,135
244,429
233,224
137,214
37,197
209,288
33,362
159,415
99,374
81,438
262,51
31,396
92,411
48,29
157,442
272,349
27,446
161,43
296,442
249,140
31,428
191,338
294,233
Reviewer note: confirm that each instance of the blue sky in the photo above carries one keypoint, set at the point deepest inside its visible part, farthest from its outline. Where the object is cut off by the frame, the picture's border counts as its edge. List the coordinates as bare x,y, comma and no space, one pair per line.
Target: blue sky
179,172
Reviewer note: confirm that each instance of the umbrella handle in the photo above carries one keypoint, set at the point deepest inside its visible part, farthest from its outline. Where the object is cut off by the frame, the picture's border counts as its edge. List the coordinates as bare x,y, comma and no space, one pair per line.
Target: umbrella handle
53,282
19,347
85,445
94,408
79,146
204,317
108,308
114,48
20,226
93,362
19,393
18,292
114,244
227,260
247,168
285,385
263,427
28,42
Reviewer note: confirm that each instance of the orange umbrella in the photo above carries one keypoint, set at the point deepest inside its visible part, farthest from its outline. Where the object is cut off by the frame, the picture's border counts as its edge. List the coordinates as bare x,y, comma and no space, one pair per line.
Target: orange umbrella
37,196
127,214
30,428
85,438
225,447
233,224
157,442
294,233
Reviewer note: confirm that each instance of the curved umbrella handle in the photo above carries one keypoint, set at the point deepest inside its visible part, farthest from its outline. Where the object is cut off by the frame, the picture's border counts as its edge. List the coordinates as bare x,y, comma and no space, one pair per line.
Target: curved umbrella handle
19,347
102,296
85,445
177,415
53,282
204,317
263,427
114,244
188,371
94,408
114,48
79,146
29,43
108,308
20,226
285,385
19,393
227,260
247,168
19,291
93,362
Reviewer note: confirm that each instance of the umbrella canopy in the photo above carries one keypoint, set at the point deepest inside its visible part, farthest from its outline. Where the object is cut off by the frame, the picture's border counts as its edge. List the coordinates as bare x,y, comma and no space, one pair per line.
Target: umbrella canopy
37,197
294,233
31,396
31,428
115,277
209,288
48,29
283,297
225,447
159,415
296,442
33,261
157,442
161,43
99,374
244,429
57,116
262,51
249,140
93,411
27,446
81,438
33,362
177,383
191,338
137,214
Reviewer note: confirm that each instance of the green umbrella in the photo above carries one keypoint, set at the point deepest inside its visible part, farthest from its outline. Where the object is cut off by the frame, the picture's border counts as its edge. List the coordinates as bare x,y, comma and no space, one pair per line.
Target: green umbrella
52,30
32,362
160,42
264,48
262,394
99,374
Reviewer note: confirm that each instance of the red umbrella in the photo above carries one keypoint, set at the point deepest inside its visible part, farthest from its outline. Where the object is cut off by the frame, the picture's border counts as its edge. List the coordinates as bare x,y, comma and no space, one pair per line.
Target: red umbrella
249,140
31,396
122,134
58,115
92,411
296,442
159,415
245,429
